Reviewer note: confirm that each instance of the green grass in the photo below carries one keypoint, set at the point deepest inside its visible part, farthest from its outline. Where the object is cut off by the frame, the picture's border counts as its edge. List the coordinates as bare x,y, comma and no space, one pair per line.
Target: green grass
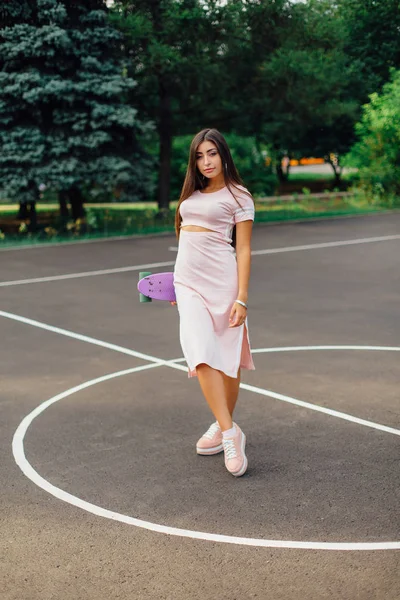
328,177
41,207
310,176
290,213
35,240
126,220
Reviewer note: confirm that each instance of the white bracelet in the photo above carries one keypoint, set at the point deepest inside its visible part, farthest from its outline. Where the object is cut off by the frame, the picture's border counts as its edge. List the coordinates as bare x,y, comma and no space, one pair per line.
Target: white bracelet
242,303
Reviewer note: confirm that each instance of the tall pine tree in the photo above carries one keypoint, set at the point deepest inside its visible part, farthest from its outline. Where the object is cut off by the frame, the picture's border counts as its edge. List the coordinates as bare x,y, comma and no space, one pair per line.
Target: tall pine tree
64,120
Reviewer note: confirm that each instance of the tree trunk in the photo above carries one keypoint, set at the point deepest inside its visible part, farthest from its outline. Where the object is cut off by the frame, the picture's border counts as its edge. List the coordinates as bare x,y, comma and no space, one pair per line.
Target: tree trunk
165,135
63,201
23,211
76,200
337,170
32,217
283,175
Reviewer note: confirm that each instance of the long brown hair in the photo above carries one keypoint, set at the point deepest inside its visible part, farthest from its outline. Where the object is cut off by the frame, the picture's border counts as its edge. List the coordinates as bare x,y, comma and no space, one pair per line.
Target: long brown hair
194,180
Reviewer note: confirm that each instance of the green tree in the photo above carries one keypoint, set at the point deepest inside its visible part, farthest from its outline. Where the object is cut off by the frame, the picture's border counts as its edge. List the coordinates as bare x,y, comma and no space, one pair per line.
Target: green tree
305,69
175,50
296,96
280,72
63,112
377,152
361,43
372,42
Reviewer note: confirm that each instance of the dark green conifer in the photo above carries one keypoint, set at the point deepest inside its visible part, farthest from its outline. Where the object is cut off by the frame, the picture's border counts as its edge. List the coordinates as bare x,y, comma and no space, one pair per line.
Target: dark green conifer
64,120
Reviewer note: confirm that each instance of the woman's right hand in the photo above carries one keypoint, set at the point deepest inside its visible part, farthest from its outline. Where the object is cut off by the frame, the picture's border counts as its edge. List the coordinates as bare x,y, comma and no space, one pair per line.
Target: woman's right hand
173,303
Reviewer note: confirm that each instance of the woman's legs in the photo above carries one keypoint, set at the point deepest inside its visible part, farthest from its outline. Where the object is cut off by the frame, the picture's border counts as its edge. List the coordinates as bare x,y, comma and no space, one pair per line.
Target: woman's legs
213,386
231,391
221,393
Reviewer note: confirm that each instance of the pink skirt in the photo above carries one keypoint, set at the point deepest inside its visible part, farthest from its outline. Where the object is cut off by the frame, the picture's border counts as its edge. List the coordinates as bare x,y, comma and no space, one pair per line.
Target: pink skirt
206,286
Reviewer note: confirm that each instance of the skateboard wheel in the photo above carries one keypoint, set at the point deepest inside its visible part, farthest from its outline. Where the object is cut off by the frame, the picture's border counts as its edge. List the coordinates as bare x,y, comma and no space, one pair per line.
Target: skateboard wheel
142,297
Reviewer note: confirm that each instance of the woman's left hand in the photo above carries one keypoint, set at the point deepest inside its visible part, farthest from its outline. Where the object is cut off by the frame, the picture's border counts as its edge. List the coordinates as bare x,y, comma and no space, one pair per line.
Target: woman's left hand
238,315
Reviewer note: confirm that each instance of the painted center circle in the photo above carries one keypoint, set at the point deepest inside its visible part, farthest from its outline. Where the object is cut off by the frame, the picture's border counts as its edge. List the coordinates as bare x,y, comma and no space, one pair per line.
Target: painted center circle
29,471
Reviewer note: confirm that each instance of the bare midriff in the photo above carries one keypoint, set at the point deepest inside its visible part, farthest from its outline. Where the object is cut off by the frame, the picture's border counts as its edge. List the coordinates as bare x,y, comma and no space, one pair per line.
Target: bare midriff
195,228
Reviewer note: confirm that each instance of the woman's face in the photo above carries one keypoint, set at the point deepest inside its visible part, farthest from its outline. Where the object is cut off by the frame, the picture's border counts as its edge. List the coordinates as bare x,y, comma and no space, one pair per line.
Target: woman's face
208,160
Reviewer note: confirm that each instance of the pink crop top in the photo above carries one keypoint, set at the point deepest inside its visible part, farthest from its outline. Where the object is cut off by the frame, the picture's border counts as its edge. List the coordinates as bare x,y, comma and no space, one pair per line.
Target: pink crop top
218,211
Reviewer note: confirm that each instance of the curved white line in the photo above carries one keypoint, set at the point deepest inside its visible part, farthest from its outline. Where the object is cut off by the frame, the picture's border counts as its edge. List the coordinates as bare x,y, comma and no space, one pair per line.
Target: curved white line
29,471
173,365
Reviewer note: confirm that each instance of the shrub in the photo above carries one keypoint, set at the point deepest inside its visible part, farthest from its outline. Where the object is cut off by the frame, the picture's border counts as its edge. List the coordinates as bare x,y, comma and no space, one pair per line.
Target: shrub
377,152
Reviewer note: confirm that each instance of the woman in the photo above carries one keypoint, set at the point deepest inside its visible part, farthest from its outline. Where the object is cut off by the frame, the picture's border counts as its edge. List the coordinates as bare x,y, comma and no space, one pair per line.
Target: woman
211,287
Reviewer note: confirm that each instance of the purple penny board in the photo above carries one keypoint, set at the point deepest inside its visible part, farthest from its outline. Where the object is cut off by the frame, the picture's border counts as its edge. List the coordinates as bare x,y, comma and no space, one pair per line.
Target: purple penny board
159,286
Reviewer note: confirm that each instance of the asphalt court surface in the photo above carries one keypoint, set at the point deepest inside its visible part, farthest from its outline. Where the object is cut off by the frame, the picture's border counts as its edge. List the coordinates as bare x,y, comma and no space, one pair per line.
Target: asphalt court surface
126,444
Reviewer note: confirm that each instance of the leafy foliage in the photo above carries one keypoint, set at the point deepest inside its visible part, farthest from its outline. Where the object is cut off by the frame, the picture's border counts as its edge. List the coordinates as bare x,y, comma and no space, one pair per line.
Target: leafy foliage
372,42
74,78
296,95
64,119
173,50
377,153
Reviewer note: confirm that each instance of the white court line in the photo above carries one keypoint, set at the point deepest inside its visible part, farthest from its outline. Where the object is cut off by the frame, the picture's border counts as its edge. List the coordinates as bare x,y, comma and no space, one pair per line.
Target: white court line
300,348
322,409
251,388
172,262
315,246
385,238
30,473
85,338
87,274
160,234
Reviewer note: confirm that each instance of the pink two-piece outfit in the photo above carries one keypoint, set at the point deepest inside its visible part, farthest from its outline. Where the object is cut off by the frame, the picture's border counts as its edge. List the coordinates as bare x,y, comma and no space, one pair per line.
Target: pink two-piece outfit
206,281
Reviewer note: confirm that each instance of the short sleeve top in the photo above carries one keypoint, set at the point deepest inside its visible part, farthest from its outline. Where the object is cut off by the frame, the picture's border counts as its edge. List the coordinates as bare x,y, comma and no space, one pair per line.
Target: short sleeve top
218,211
